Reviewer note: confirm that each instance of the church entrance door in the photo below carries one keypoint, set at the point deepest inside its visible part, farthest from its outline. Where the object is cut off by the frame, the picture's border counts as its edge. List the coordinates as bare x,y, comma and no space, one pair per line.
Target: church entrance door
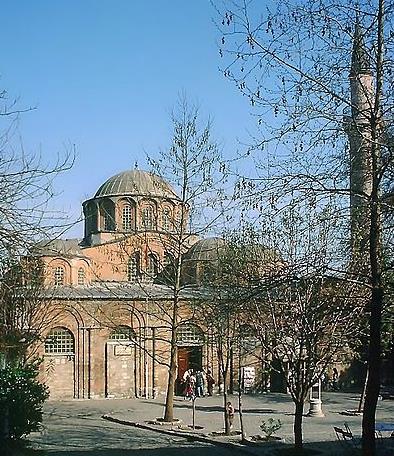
188,358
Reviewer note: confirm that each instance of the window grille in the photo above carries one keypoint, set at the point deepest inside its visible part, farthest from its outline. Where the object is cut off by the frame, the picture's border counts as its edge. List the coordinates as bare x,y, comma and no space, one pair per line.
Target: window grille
148,218
166,219
189,335
59,275
108,219
81,276
127,218
133,268
122,333
59,341
152,267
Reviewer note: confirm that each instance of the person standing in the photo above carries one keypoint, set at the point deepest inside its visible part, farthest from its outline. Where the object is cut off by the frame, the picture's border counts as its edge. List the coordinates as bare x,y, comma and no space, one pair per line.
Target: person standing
230,412
199,384
190,385
335,377
210,382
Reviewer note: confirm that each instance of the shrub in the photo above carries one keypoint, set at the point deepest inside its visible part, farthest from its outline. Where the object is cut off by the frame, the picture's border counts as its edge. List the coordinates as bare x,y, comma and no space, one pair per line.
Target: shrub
269,427
21,398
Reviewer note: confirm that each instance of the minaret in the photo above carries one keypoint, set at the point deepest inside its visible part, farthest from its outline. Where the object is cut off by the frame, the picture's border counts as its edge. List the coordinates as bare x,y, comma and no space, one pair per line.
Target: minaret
358,128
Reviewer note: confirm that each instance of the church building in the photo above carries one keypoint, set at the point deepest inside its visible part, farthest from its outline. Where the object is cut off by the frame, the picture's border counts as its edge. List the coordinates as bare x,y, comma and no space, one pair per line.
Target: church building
107,332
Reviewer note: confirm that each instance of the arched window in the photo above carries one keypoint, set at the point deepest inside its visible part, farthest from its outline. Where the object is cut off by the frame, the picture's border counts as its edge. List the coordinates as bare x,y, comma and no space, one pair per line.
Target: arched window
81,276
123,333
107,213
133,267
148,221
58,276
189,335
179,218
153,265
168,260
248,340
166,221
127,218
59,341
91,217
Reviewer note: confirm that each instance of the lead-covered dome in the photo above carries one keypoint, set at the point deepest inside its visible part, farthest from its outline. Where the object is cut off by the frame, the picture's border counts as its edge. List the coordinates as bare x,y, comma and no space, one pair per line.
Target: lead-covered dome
136,182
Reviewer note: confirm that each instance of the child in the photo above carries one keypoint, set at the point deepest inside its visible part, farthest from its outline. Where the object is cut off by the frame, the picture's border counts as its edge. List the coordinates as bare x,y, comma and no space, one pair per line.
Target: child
230,414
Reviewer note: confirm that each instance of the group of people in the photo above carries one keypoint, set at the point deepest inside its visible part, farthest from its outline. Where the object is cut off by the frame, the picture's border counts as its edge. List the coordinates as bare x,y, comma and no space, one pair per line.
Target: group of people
198,383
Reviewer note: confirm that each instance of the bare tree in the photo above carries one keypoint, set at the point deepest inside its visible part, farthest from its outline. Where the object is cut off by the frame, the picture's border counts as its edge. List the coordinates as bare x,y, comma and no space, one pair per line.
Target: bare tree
293,64
191,164
26,187
25,313
305,317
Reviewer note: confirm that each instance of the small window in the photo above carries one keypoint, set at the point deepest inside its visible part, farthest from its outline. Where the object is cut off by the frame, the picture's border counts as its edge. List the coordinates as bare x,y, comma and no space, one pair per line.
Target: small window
59,341
168,260
133,267
153,265
59,276
108,223
148,218
122,333
166,219
179,218
127,218
81,276
108,217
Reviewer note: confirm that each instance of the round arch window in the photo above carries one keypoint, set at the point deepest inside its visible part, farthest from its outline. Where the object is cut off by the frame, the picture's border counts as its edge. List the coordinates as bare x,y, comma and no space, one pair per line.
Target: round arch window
81,276
60,341
59,275
189,335
122,333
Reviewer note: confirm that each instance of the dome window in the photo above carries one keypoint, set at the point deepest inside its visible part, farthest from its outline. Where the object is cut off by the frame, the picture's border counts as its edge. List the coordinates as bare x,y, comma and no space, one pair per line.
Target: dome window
107,214
127,218
148,218
133,267
58,277
153,265
168,259
81,276
166,219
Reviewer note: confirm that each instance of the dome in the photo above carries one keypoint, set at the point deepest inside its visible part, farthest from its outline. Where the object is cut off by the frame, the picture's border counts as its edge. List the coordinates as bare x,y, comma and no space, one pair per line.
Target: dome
205,250
136,182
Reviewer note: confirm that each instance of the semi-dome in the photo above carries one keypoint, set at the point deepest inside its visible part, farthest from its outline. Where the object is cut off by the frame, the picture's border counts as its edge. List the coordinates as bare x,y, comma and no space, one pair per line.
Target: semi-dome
136,182
205,250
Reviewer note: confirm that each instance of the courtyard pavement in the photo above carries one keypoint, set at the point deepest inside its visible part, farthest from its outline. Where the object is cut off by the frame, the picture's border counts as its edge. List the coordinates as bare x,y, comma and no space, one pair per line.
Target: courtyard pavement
318,431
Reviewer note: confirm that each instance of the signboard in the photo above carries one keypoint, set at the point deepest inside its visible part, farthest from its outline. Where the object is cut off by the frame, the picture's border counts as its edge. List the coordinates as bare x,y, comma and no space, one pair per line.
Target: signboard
123,350
249,377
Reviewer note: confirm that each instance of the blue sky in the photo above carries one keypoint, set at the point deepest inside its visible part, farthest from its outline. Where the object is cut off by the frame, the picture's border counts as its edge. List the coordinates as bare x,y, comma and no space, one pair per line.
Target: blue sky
103,75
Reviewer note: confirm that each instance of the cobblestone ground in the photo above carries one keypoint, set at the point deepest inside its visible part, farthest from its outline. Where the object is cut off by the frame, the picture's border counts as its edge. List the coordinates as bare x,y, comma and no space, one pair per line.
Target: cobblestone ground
77,429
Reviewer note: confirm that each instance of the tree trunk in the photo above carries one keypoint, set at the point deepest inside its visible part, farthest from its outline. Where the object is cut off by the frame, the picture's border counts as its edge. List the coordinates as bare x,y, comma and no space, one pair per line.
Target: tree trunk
169,407
226,417
362,398
375,255
240,411
373,384
172,371
299,410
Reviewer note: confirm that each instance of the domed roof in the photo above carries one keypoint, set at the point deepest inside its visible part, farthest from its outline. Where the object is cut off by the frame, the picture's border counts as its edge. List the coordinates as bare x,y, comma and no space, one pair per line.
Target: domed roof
205,249
136,182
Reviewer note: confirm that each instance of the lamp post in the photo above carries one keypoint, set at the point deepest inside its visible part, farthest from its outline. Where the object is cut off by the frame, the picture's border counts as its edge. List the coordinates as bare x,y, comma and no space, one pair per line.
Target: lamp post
315,403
